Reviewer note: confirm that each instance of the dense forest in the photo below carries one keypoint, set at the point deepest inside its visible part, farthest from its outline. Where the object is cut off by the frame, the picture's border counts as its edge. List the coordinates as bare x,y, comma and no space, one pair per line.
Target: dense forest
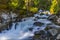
30,6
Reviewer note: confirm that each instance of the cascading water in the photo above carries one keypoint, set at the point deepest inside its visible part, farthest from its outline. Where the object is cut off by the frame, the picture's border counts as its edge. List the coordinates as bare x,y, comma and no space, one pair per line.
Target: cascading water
21,32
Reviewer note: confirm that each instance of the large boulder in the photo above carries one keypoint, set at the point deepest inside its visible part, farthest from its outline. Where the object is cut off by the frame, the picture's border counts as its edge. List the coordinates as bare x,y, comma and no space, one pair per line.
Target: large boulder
53,32
50,26
3,27
6,20
40,35
58,37
53,18
5,17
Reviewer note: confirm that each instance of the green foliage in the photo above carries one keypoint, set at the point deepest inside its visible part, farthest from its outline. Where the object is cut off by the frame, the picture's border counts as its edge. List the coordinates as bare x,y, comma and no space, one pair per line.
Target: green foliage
33,9
31,5
54,7
36,2
13,3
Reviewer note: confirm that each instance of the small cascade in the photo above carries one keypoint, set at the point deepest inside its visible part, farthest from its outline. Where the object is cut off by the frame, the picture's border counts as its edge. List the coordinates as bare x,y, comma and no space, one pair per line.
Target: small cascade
20,30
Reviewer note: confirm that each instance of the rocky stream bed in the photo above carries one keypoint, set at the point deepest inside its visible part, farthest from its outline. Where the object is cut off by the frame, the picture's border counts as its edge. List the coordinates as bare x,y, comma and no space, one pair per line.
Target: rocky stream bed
42,26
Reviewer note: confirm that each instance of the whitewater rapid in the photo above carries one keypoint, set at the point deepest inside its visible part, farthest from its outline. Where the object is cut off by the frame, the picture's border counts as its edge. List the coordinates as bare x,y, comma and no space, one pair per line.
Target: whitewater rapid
22,28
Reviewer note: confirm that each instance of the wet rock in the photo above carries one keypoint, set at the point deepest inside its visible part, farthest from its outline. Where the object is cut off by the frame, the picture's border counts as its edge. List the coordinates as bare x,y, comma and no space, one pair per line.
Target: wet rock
58,20
48,27
30,29
18,19
6,20
37,17
40,35
16,24
5,17
41,32
49,24
13,16
58,37
37,33
53,18
3,27
10,24
38,24
53,32
36,37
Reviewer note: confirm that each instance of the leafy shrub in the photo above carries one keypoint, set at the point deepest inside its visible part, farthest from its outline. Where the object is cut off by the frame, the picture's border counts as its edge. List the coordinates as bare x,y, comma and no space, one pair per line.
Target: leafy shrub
33,9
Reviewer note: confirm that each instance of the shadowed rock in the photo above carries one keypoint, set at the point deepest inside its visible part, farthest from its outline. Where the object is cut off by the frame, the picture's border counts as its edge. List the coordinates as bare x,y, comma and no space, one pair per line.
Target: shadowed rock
53,18
6,20
58,37
53,32
40,35
30,29
38,24
3,27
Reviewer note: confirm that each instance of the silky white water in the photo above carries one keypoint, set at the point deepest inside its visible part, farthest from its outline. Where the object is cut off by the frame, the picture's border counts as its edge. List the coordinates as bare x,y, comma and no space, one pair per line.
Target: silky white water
22,29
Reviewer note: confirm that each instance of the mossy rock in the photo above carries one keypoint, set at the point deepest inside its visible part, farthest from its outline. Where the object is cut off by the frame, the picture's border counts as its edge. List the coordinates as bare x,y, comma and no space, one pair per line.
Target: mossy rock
48,27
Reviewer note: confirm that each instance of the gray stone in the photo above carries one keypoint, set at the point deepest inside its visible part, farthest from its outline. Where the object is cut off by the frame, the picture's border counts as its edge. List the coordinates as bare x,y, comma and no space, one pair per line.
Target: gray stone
6,20
3,27
58,36
53,18
48,27
53,32
40,35
58,20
